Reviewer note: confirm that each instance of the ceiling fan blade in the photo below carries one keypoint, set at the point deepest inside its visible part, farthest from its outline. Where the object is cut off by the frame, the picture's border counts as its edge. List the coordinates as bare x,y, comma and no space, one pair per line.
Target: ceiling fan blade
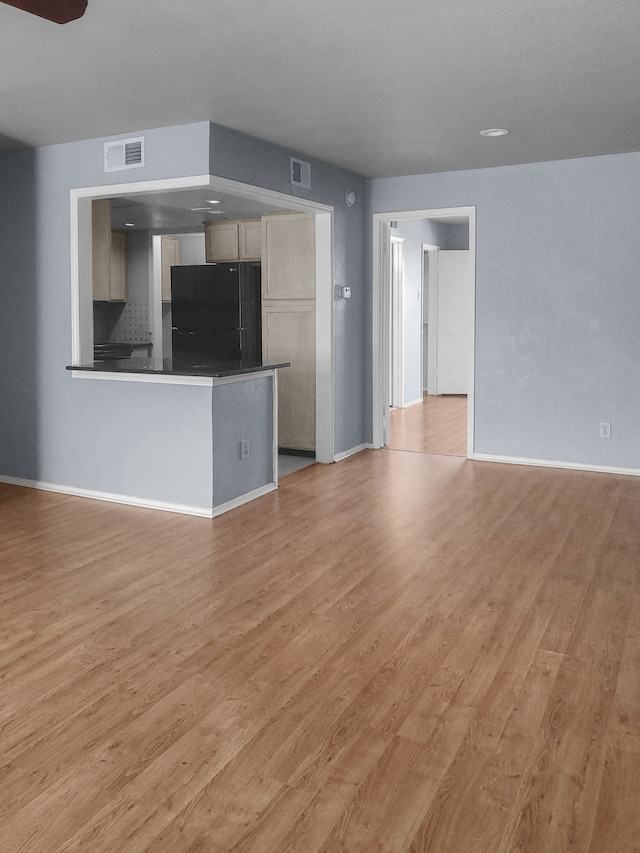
59,11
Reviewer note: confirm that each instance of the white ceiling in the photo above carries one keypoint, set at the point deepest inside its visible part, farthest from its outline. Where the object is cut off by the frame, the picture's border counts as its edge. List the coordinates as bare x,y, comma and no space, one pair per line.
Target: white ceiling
378,87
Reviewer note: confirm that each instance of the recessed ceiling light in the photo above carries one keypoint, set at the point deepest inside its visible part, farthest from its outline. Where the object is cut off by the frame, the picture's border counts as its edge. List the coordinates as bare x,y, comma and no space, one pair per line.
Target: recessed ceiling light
130,224
495,131
213,201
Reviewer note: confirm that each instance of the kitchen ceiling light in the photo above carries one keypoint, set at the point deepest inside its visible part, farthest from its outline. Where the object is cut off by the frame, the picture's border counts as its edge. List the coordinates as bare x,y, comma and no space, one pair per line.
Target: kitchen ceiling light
130,224
494,131
213,201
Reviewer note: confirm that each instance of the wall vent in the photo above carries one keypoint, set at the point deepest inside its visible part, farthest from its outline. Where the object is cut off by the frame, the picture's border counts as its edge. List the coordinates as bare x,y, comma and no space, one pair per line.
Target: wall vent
124,154
300,173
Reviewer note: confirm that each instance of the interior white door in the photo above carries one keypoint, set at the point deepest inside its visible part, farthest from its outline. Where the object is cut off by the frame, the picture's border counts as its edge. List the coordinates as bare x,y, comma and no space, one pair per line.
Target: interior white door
454,321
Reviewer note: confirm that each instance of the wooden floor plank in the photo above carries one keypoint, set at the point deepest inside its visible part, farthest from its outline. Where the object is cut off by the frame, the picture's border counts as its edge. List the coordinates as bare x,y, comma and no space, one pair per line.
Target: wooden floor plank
400,652
438,424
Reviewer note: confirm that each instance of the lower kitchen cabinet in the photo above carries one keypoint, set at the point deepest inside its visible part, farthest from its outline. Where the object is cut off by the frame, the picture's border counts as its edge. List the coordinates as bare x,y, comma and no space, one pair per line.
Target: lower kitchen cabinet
288,334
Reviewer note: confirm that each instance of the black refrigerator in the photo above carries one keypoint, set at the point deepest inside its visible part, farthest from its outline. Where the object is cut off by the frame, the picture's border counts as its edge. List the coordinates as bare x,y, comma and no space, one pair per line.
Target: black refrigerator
216,313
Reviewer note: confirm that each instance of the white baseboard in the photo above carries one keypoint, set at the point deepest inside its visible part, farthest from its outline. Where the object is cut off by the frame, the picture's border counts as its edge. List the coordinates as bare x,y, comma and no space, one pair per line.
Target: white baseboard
552,463
144,503
352,451
413,403
243,499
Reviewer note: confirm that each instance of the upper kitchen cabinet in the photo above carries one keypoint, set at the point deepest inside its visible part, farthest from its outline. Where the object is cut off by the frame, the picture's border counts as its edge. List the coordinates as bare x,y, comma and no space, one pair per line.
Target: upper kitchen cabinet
109,255
238,240
288,262
289,334
170,254
250,240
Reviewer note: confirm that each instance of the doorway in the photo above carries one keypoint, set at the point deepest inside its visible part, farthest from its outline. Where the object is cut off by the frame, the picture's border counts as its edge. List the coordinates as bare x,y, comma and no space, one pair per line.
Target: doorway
435,412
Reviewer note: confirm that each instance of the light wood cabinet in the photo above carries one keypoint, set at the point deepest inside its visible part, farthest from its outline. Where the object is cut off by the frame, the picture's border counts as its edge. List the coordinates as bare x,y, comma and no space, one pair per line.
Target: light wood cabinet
170,257
118,271
233,240
109,255
288,262
288,334
221,241
289,322
250,240
101,248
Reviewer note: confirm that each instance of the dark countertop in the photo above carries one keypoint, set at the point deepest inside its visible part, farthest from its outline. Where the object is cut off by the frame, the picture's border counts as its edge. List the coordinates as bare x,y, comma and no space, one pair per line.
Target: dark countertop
172,367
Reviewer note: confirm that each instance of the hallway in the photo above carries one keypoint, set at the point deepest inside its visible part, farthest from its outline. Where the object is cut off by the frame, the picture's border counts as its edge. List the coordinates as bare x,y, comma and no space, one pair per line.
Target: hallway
437,425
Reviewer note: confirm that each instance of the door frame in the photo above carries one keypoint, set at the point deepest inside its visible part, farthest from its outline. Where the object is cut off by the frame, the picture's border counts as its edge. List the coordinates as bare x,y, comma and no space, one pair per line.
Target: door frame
380,318
396,324
429,294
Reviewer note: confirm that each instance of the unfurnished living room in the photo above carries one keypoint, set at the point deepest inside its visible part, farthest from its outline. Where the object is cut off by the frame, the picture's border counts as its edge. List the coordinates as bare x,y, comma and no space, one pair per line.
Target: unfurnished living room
319,427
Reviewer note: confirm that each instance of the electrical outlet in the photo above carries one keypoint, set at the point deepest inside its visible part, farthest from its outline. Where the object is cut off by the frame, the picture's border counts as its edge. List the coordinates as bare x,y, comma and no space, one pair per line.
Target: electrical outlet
244,448
605,429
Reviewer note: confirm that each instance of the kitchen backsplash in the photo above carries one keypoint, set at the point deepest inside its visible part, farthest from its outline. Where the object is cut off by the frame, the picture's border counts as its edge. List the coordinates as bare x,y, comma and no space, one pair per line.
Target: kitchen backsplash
117,323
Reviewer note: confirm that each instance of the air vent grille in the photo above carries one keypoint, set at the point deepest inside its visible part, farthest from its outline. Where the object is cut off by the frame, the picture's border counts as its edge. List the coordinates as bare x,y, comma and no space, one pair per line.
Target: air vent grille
133,153
124,154
300,173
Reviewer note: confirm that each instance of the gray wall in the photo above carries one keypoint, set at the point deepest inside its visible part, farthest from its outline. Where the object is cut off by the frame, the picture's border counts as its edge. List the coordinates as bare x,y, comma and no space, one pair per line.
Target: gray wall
192,249
134,439
557,302
453,237
140,440
243,158
242,410
20,271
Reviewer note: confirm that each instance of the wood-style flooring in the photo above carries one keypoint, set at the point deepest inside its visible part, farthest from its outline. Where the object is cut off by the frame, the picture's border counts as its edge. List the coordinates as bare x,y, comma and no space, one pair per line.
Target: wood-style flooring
437,425
399,652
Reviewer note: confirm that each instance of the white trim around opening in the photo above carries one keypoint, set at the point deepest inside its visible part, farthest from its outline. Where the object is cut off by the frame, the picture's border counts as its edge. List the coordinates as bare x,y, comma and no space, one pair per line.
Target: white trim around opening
82,298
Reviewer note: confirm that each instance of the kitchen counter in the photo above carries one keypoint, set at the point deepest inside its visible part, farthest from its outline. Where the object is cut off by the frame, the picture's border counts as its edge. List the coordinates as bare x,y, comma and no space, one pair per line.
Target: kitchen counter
174,367
233,403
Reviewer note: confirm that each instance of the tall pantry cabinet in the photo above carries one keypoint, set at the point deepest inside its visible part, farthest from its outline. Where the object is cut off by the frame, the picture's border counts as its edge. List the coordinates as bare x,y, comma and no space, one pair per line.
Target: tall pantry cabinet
289,322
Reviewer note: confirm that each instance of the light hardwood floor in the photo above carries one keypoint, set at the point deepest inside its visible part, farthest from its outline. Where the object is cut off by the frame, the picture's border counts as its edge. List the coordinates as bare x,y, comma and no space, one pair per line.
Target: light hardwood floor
399,652
437,425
